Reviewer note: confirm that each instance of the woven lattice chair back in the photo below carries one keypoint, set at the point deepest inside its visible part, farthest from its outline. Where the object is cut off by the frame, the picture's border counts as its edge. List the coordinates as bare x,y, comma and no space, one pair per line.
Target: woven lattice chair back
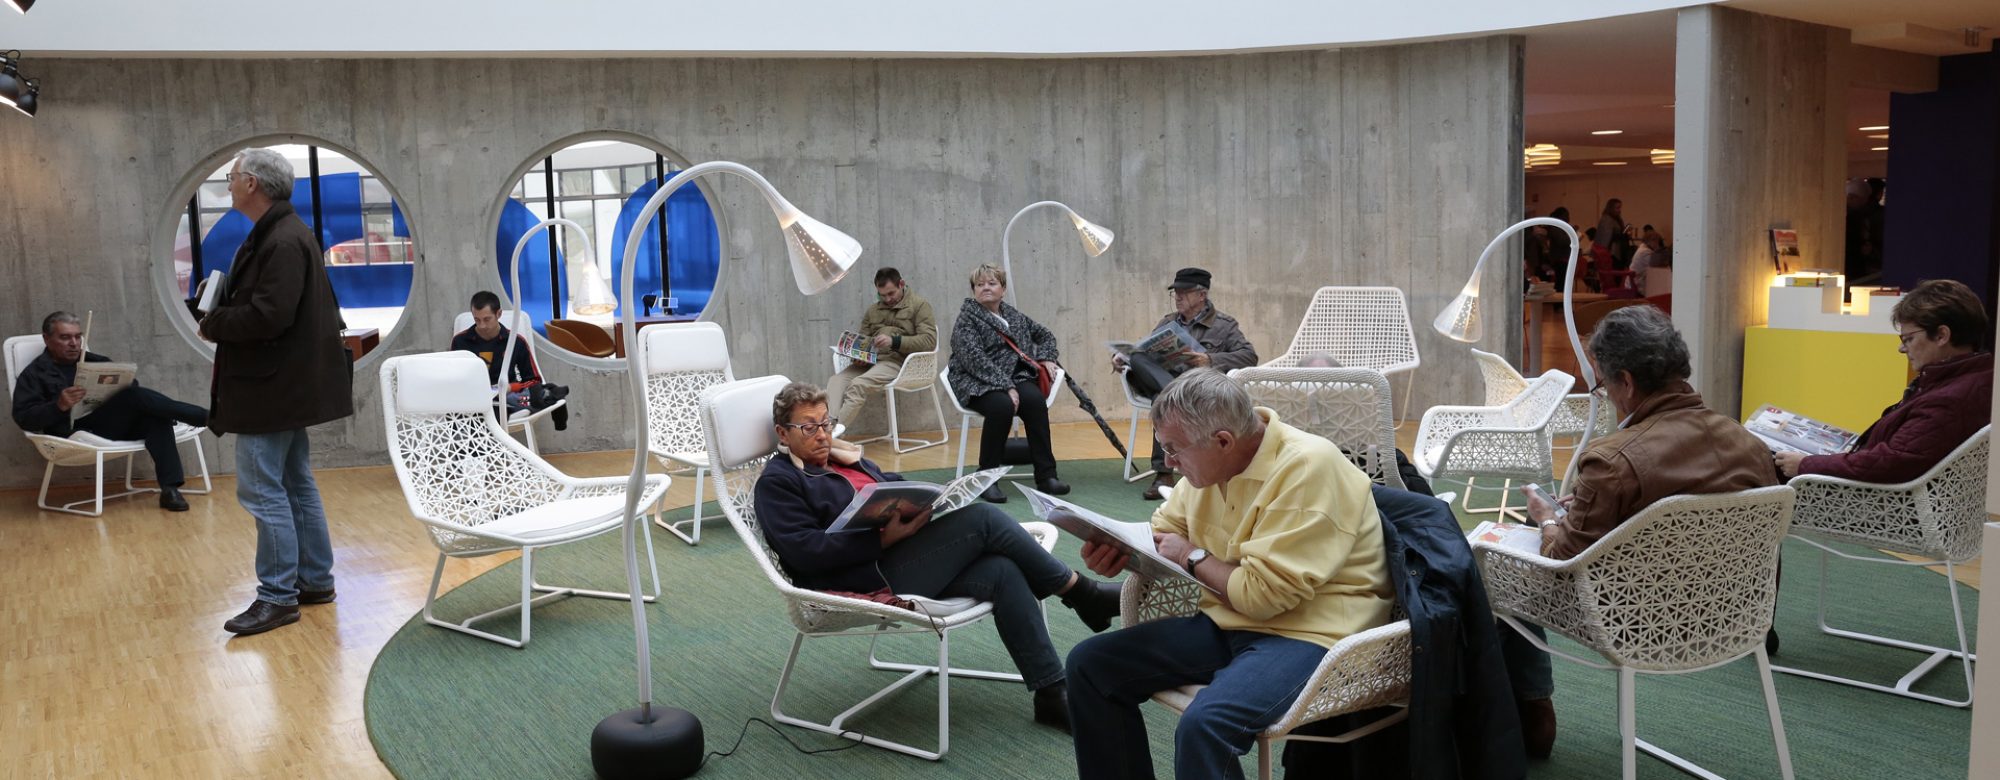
919,371
1937,515
681,360
1537,405
1350,407
454,460
464,320
1687,583
1360,327
1503,383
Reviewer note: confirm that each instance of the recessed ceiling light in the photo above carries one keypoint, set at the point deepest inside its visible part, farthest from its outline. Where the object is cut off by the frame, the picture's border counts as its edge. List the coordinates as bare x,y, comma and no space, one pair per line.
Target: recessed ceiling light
1606,132
1620,162
1880,136
1878,148
1874,128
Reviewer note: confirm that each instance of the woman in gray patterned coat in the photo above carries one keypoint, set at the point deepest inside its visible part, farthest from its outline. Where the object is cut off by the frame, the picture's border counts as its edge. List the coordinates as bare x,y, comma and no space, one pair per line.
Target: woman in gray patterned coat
1000,380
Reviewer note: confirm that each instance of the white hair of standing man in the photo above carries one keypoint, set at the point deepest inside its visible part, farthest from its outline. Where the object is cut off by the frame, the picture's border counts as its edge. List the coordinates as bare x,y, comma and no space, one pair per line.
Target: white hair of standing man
1203,401
271,170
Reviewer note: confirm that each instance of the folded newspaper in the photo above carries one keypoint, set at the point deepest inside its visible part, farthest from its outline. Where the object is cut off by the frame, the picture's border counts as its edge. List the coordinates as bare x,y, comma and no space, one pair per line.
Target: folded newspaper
1169,345
1134,539
1788,432
854,346
1524,538
881,503
100,381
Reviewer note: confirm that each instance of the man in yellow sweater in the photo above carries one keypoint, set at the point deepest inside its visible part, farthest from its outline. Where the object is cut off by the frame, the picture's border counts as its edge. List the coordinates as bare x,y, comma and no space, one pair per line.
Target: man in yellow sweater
1283,531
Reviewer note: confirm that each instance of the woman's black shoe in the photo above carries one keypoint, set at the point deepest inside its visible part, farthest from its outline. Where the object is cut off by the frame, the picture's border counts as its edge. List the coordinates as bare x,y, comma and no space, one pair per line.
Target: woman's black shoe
1052,706
1095,602
1052,486
993,494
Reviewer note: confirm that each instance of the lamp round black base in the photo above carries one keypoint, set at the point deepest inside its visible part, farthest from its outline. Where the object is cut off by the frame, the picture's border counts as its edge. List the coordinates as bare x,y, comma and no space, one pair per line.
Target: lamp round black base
625,746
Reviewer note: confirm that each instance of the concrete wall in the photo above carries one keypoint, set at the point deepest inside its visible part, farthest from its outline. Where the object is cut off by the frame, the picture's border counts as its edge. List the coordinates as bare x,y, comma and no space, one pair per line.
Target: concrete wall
1758,144
1279,172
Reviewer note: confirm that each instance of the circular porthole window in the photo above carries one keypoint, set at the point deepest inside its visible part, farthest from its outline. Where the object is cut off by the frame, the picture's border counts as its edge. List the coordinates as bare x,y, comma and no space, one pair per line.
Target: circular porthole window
601,182
370,251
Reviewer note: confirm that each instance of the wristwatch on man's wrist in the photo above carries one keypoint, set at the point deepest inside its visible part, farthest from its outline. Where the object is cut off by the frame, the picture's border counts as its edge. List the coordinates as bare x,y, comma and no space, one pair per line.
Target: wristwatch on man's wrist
1195,556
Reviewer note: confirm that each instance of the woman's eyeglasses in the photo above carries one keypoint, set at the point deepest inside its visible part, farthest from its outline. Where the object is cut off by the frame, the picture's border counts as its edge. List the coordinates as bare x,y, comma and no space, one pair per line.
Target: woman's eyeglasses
813,429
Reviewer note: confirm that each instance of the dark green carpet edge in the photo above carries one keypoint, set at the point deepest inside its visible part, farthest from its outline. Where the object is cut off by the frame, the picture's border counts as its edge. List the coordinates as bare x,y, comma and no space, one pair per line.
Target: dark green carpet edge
444,705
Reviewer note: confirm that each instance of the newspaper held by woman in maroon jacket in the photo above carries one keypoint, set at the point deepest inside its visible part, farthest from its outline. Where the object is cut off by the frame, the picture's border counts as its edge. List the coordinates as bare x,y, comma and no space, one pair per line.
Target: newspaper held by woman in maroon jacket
1948,402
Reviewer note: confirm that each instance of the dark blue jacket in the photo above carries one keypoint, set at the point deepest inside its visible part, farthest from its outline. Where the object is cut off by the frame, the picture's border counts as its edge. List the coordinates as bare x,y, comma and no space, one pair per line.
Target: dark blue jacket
795,506
1463,722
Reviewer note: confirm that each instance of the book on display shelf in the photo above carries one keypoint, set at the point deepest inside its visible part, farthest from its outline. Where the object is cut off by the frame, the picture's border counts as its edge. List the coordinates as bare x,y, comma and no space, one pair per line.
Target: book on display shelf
1785,431
1133,539
881,503
1784,250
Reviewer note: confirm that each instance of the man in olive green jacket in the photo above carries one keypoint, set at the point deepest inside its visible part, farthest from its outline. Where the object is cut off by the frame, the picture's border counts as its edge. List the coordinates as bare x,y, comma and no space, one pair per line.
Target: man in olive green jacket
898,324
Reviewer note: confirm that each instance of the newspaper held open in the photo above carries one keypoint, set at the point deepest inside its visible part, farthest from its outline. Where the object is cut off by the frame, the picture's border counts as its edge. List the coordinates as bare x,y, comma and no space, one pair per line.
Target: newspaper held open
100,381
1169,344
1133,539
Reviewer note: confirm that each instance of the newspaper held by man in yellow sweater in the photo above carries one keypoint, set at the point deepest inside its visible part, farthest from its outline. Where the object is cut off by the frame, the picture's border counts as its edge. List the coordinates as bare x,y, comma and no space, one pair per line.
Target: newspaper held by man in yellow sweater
1301,524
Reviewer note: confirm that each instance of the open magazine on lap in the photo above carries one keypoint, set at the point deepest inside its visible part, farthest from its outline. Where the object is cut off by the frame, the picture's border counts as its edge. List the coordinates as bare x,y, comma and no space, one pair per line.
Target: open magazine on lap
882,503
1169,344
1787,431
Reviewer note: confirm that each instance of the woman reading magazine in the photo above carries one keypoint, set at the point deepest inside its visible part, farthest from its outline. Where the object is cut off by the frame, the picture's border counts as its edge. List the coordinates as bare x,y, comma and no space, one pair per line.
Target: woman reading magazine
977,551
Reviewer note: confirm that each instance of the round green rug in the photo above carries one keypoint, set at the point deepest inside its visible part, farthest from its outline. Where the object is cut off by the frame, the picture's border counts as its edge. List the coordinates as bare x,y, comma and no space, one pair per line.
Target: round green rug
444,705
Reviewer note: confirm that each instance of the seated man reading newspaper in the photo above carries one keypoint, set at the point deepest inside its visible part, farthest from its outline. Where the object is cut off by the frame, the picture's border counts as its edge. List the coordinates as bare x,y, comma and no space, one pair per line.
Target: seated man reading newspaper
1668,443
1283,531
976,550
48,399
1195,334
1942,325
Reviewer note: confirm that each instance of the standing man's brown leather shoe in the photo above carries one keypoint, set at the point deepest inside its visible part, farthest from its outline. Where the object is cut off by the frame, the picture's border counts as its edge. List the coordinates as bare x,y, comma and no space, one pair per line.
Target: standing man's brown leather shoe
1165,479
1538,726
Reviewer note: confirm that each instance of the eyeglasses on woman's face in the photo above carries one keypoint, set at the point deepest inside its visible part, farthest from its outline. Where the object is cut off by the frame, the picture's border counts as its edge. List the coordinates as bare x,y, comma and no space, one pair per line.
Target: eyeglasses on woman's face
814,428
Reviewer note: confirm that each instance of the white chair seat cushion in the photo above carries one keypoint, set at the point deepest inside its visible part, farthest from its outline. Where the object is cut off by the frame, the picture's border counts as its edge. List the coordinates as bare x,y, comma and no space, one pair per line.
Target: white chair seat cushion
684,458
559,518
940,607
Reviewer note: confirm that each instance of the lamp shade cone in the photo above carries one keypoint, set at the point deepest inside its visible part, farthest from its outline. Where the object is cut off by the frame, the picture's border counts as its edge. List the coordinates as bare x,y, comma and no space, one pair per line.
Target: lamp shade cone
588,294
1096,238
1460,320
19,5
820,254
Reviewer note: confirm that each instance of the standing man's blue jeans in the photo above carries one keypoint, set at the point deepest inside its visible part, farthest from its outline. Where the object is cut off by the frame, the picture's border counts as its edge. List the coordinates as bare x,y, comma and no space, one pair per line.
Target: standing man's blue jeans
274,482
1252,679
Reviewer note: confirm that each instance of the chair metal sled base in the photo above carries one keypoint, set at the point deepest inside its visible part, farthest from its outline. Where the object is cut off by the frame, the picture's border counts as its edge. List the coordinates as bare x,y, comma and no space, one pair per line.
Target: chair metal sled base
912,674
526,605
895,435
98,496
688,530
1506,512
1937,655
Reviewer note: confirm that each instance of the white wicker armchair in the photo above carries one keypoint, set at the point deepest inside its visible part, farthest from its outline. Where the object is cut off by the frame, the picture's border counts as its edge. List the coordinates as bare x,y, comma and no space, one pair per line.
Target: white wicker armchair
1687,584
1360,327
918,374
1936,517
681,360
1503,383
524,420
1506,442
477,491
737,419
88,450
1362,672
1348,406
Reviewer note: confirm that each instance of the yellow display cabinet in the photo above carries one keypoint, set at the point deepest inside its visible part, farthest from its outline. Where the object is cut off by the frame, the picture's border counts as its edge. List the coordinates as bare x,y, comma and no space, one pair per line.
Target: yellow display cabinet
1843,378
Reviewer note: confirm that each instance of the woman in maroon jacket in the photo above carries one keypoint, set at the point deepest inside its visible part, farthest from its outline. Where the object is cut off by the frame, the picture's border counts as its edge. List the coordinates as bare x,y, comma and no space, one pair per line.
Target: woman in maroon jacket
1942,325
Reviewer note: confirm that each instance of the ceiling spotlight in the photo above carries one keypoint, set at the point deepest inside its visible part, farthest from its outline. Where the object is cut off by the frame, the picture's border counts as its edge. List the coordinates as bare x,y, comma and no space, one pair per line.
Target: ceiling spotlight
1541,156
1878,148
17,91
1874,128
19,5
1606,132
1619,162
1663,156
1879,136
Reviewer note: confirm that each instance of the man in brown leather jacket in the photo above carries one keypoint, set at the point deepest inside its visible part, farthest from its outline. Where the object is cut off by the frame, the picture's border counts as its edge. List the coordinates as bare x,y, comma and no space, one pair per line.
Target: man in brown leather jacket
1667,443
280,367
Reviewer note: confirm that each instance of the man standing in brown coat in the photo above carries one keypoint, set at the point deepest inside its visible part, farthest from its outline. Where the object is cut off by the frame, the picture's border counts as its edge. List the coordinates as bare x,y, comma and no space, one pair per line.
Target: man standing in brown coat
280,367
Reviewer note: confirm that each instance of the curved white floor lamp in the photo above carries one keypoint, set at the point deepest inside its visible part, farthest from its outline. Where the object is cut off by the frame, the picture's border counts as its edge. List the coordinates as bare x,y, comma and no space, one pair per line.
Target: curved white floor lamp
1096,238
666,742
1460,320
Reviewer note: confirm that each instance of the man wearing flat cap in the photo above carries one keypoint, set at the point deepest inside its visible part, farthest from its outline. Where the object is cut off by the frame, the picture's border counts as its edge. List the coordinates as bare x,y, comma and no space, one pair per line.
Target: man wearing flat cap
1225,347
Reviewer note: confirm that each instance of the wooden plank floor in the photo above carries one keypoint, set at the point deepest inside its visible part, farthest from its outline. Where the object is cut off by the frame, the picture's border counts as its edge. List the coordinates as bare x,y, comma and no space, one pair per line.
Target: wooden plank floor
113,661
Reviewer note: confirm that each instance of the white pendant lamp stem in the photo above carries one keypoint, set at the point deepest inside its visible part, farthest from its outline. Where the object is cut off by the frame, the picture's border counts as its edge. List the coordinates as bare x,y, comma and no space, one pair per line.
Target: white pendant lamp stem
1096,238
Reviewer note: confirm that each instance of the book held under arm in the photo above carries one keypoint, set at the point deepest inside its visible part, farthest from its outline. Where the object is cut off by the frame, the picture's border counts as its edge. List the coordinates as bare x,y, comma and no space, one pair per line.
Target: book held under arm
1789,432
1133,539
881,503
856,347
211,291
1169,345
100,381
